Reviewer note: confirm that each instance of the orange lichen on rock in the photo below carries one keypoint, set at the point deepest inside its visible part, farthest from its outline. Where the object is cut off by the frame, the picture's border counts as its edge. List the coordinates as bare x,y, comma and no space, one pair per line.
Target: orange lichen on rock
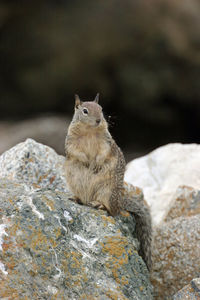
108,219
73,269
48,202
115,295
129,189
39,241
186,203
6,292
125,214
89,297
115,247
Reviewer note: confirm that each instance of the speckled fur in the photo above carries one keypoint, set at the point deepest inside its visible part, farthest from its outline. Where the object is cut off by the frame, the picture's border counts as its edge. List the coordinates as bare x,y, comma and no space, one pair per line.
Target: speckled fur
95,169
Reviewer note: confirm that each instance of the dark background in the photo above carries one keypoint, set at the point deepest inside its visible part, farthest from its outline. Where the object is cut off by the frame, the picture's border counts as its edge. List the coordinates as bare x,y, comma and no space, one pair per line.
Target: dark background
142,56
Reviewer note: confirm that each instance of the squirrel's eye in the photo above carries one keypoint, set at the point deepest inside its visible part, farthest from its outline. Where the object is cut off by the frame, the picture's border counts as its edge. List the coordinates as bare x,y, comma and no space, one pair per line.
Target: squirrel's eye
85,111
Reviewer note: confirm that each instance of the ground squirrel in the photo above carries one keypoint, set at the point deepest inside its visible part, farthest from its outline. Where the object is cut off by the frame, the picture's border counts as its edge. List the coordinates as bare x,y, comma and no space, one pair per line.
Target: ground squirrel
95,168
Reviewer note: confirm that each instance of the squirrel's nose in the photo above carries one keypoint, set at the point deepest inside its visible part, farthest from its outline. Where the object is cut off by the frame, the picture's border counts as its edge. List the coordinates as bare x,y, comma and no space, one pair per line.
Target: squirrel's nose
98,121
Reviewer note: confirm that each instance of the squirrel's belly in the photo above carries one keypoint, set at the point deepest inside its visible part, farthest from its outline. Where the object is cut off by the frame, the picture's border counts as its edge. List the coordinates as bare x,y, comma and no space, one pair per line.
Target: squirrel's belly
87,185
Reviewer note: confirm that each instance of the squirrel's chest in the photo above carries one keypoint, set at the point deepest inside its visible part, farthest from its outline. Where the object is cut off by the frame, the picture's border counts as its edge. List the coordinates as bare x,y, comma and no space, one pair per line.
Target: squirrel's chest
94,147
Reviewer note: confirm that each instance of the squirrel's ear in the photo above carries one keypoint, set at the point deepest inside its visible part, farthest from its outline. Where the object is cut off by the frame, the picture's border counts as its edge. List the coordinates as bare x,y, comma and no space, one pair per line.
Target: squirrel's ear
97,98
77,101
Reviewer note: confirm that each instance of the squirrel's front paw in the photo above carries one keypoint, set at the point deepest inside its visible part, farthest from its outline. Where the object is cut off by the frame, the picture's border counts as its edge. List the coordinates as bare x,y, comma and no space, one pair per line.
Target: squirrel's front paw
98,205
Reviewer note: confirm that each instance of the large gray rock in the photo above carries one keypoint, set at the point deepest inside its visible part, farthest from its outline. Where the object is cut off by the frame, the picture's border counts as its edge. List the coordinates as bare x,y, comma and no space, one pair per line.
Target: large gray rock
176,255
189,292
186,203
170,179
53,248
176,249
35,165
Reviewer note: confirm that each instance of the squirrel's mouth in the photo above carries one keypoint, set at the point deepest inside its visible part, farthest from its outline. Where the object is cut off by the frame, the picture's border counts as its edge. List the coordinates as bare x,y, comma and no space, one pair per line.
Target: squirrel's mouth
98,121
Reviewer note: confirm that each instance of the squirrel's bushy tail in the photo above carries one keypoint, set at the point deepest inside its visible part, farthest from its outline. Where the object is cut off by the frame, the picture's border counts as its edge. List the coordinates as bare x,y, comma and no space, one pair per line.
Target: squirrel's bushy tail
144,233
133,201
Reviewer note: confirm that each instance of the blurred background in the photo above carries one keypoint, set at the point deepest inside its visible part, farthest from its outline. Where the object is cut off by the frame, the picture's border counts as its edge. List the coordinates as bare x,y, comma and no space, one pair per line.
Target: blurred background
142,56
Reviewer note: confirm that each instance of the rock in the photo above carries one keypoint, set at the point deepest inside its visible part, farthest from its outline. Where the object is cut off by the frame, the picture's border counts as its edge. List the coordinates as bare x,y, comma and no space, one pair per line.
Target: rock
53,248
162,171
170,179
176,255
190,291
49,130
35,165
186,203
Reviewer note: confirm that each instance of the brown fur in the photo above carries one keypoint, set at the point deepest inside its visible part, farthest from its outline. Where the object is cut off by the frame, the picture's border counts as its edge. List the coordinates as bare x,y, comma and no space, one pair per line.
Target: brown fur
95,169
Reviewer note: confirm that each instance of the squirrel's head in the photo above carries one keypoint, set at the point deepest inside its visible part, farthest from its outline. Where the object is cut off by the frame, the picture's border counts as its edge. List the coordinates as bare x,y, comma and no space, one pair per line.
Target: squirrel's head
89,112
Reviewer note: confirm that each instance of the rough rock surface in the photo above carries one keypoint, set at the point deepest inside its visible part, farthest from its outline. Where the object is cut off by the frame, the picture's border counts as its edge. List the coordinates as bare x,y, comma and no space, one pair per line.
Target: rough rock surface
162,171
186,203
190,291
35,165
176,255
53,248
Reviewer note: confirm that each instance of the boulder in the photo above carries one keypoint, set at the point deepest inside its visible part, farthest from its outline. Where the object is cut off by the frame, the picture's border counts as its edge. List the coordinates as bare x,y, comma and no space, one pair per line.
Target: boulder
186,203
176,255
162,171
35,165
170,179
190,291
53,248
